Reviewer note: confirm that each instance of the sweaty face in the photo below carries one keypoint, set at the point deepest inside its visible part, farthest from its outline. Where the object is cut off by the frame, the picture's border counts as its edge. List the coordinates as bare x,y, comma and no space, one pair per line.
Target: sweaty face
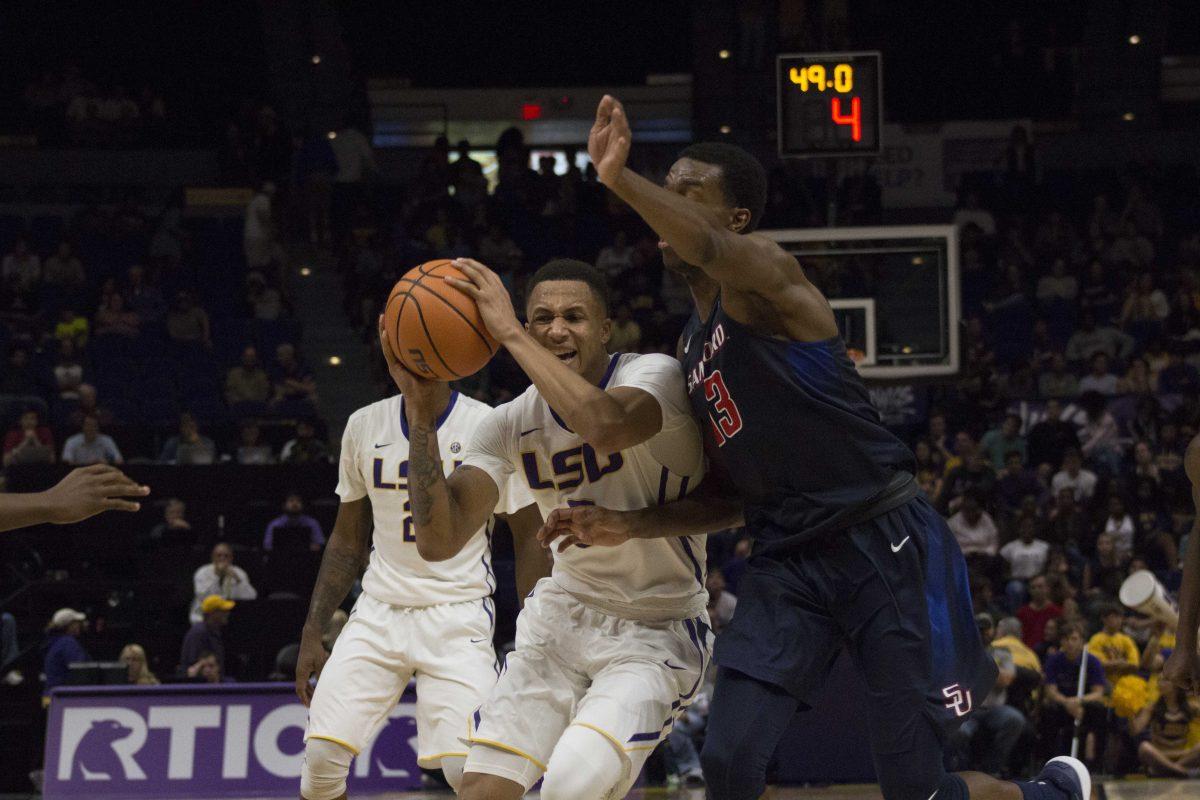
697,181
566,318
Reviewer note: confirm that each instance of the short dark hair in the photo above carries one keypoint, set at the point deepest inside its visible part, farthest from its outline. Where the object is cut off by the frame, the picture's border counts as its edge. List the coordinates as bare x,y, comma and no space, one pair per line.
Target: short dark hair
743,178
570,269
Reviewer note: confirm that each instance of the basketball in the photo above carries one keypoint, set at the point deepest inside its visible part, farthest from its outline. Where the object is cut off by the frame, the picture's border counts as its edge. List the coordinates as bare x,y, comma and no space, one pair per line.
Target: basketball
434,329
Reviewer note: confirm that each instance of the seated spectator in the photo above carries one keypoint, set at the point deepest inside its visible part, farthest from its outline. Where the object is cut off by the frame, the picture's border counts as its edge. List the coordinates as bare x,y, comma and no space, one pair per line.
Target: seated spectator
143,298
1057,381
187,323
248,382
64,271
1104,571
62,646
1050,438
1038,611
29,441
293,382
1137,379
1097,296
997,723
251,450
1073,476
1008,636
207,669
1016,483
1101,441
974,528
1119,525
71,326
1026,558
21,270
1099,379
20,379
1116,651
305,448
1145,304
112,318
133,656
1058,285
615,259
930,469
222,579
265,300
1066,523
68,370
626,333
999,442
1178,377
1063,707
293,516
206,633
89,405
258,231
90,446
1090,339
1162,731
974,474
721,602
174,520
188,446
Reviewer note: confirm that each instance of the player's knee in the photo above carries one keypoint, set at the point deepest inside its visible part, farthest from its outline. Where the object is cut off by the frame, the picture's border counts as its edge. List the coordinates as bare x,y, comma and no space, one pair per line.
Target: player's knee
907,776
733,770
584,766
452,769
326,765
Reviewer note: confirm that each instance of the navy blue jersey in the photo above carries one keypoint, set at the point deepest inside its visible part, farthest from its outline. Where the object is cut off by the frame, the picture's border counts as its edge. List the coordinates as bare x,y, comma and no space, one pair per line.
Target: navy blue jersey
792,425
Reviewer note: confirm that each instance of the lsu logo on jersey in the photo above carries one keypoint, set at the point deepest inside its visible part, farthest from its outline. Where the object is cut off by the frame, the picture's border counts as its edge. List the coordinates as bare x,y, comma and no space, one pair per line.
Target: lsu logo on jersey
568,468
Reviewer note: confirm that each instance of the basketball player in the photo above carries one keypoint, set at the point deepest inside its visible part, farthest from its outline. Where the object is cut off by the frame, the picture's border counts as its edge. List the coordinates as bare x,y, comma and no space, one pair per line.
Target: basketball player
431,619
614,644
84,492
1183,667
848,553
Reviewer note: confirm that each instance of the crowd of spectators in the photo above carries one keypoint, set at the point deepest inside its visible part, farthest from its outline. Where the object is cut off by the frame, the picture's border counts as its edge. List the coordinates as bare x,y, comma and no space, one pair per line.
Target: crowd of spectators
65,106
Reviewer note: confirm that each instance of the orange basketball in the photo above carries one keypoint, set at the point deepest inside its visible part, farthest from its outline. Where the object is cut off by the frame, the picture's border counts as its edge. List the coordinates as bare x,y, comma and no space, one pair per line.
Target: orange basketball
435,330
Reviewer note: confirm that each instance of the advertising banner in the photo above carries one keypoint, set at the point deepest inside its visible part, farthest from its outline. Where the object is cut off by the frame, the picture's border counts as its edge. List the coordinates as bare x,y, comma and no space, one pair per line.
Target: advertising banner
222,740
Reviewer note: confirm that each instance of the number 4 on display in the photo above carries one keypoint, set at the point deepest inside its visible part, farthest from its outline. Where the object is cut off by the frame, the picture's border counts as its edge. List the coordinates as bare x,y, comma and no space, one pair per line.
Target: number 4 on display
853,119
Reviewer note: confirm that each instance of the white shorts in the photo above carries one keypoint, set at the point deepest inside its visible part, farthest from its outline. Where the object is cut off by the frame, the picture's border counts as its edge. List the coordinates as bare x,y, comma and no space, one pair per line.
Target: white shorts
449,649
625,679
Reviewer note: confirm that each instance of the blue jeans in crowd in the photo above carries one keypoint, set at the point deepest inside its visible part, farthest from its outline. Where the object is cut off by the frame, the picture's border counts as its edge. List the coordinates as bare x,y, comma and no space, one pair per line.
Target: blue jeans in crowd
1002,725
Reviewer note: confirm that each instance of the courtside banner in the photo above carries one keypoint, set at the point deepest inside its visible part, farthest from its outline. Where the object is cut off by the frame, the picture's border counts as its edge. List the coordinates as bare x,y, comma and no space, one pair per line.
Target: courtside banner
212,741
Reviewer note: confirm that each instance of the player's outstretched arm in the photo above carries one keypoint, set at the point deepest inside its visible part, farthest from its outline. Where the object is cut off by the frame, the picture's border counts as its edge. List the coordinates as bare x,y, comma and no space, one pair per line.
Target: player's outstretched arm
342,563
608,420
1183,667
706,510
83,493
446,512
533,562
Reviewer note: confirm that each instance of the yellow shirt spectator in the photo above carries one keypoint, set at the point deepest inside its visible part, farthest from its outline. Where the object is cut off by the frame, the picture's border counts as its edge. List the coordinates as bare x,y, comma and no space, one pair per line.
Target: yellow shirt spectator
1022,655
1114,648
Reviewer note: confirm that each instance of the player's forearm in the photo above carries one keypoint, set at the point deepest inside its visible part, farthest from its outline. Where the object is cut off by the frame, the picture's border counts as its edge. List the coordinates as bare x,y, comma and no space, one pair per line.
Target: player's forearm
586,408
434,513
22,510
691,228
341,564
691,516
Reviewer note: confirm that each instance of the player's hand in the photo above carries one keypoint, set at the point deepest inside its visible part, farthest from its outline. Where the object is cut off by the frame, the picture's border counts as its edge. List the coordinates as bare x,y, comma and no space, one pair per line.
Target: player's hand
490,294
585,525
88,491
419,393
309,663
1183,668
608,141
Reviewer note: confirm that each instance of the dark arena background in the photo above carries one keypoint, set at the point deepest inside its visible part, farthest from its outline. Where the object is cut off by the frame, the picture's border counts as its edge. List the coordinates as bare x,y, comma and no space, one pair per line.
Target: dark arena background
204,206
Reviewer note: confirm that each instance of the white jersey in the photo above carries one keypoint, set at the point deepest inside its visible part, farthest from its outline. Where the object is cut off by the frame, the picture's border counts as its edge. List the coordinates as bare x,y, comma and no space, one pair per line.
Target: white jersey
649,579
374,464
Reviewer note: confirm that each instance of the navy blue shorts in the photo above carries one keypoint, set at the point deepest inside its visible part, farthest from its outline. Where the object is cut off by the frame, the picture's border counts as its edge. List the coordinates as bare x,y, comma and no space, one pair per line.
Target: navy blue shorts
893,591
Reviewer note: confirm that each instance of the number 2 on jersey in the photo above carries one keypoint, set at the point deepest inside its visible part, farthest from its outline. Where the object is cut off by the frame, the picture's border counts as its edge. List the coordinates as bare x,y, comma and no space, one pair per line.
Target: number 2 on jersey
728,420
409,535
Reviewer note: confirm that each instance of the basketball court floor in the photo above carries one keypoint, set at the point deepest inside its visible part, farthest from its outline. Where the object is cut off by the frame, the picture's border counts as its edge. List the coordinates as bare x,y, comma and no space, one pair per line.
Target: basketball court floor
1132,789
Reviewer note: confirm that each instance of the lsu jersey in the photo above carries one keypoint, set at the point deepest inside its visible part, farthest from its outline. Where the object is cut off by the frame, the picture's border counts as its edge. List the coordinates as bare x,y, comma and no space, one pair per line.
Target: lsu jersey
374,464
526,442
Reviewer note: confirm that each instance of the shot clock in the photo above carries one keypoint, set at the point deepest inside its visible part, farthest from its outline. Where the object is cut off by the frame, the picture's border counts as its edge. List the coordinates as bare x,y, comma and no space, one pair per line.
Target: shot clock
829,104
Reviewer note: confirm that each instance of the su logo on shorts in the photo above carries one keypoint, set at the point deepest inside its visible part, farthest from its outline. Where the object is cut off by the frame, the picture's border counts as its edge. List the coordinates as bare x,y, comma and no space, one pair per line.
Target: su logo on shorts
960,699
